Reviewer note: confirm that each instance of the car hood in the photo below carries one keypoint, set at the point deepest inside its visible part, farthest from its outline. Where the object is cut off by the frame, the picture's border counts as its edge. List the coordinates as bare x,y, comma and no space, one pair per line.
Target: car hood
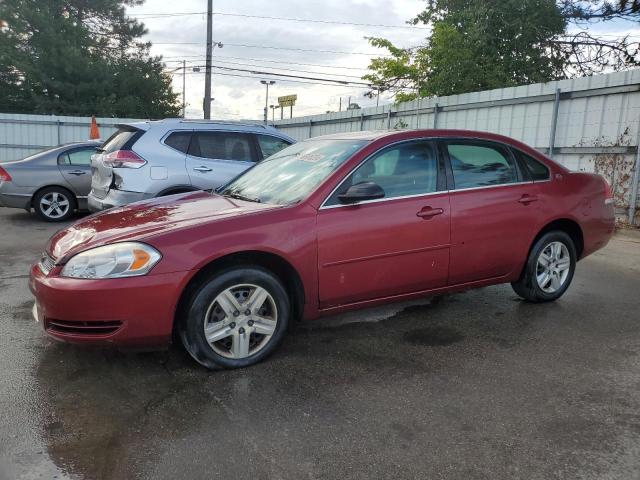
143,219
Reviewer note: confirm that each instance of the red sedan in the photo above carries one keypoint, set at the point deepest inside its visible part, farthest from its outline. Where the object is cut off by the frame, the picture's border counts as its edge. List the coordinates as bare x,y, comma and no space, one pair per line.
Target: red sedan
329,224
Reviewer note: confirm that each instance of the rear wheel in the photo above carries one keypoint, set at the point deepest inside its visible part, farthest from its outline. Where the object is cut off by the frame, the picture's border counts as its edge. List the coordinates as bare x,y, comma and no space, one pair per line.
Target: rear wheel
235,318
54,204
549,269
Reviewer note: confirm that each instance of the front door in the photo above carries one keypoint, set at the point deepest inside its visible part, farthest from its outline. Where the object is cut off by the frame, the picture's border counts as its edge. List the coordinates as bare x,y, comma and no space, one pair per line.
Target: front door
494,211
215,157
390,246
75,166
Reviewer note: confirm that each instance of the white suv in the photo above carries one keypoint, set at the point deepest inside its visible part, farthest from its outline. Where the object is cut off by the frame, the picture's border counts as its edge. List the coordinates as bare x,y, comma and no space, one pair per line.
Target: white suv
156,158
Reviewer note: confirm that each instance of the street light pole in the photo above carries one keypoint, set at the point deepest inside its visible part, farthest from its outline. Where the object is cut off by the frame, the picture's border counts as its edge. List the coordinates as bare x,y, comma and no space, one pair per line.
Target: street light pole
266,100
207,74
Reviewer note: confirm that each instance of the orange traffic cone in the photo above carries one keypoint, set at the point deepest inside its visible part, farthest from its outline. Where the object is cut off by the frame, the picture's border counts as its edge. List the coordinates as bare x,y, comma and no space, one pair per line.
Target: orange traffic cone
94,133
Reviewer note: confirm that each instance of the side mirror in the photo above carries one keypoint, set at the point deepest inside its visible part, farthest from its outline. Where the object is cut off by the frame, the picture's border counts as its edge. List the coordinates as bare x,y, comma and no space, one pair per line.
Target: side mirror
362,191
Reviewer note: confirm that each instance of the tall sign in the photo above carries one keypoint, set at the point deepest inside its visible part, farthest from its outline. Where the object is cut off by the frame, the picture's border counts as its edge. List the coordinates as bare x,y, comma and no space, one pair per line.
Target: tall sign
287,101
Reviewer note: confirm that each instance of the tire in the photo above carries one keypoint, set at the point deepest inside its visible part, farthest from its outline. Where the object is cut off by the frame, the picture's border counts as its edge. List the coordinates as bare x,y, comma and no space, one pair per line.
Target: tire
54,204
235,339
540,283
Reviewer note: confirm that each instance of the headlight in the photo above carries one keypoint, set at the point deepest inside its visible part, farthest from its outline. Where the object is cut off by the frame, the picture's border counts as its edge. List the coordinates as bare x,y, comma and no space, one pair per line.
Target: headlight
126,259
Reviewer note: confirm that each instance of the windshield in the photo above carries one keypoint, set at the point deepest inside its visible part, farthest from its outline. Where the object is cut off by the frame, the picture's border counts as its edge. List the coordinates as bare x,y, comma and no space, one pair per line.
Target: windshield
291,174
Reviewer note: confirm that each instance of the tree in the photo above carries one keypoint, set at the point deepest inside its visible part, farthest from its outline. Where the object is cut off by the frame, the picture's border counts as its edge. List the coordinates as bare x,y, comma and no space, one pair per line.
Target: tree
79,57
483,44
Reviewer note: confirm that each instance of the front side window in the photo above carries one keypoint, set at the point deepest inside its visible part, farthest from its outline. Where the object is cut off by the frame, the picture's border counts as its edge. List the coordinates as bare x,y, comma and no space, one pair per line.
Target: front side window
403,170
480,165
221,146
293,173
271,145
77,157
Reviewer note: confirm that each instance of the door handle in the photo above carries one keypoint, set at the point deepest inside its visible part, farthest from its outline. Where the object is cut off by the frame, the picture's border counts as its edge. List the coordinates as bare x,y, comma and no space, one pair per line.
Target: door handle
428,212
76,172
527,199
202,169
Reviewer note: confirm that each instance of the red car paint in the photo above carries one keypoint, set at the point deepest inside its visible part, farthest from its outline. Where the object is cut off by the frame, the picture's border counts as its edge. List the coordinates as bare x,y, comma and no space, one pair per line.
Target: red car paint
345,258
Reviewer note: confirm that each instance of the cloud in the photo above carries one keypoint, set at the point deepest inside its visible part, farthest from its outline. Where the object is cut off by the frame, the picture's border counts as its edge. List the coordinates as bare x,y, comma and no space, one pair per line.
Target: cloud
238,97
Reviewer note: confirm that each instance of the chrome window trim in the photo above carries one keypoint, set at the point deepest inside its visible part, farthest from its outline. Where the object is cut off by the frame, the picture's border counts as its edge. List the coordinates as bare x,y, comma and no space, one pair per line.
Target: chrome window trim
379,200
324,206
489,186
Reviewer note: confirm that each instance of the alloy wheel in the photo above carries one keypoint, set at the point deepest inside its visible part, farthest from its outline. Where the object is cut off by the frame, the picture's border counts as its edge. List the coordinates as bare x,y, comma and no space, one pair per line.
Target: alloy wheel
240,321
54,205
553,266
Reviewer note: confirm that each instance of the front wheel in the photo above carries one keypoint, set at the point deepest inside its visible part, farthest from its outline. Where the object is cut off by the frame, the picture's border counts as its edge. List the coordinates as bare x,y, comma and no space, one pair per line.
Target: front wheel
549,269
235,318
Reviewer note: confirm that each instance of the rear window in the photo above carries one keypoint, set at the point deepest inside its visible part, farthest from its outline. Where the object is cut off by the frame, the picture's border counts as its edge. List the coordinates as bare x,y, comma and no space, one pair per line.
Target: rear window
179,141
480,165
221,146
536,170
122,139
80,157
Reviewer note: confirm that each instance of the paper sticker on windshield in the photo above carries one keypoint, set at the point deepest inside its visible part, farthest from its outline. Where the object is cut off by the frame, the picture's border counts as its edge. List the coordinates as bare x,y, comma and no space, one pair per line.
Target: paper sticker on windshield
311,157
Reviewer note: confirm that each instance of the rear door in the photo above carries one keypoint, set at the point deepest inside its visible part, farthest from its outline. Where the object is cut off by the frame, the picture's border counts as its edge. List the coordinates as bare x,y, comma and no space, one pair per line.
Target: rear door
75,166
215,157
494,210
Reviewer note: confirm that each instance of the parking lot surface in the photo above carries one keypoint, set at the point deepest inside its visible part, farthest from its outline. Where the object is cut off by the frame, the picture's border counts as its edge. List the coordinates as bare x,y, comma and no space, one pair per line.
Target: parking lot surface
474,385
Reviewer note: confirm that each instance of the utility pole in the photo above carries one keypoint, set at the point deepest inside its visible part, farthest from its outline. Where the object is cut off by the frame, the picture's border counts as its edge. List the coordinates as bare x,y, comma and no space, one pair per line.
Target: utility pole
266,100
184,88
340,105
207,74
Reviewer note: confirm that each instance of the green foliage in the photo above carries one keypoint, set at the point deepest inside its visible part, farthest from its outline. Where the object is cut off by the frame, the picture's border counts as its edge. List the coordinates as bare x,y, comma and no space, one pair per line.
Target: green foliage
79,57
474,45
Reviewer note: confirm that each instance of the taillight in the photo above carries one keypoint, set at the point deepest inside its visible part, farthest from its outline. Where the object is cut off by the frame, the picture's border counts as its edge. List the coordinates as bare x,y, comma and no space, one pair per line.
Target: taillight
4,176
123,159
608,193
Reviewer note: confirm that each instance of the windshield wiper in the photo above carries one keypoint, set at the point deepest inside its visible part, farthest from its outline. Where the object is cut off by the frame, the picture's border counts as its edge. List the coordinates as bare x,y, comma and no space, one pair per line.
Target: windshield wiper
242,197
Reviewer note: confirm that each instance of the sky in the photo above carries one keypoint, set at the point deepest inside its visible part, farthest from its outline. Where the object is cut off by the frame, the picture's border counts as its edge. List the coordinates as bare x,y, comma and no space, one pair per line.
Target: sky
244,98
337,49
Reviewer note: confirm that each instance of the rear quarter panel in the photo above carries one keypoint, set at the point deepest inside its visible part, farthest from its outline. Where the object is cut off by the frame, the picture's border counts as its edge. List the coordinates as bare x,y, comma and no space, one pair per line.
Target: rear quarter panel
165,166
596,218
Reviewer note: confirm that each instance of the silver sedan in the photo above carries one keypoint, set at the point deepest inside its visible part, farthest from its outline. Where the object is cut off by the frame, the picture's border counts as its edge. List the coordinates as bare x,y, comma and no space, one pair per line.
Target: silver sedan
54,182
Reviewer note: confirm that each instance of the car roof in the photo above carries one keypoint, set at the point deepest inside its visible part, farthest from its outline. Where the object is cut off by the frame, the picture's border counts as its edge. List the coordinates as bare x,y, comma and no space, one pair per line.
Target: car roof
200,124
393,135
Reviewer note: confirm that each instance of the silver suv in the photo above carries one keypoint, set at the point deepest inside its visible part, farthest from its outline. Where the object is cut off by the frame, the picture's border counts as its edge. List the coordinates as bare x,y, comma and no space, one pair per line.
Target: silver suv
156,158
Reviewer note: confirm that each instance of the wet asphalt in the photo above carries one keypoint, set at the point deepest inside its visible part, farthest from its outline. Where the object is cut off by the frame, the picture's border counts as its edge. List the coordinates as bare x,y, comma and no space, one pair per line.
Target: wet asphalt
472,386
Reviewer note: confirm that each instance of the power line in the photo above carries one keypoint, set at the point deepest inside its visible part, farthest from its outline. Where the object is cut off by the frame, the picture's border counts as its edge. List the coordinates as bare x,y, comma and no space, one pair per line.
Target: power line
267,17
283,80
244,45
279,68
261,60
284,75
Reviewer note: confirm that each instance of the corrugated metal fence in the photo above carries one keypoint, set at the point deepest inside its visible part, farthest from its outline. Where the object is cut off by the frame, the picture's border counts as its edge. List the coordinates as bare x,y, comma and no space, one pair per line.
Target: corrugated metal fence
587,124
23,135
